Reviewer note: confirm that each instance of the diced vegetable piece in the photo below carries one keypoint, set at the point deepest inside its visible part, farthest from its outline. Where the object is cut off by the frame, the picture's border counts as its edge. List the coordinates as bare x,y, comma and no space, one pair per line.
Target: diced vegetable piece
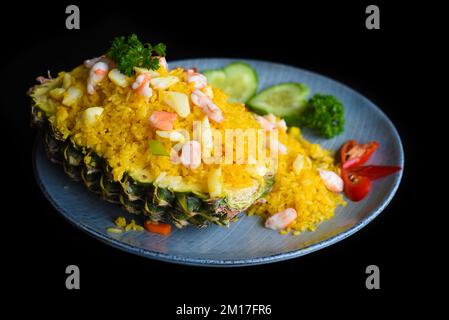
157,148
177,101
298,164
67,81
90,115
120,222
133,226
206,137
285,100
57,93
152,73
45,87
160,228
261,170
114,230
118,78
215,183
172,135
164,82
71,96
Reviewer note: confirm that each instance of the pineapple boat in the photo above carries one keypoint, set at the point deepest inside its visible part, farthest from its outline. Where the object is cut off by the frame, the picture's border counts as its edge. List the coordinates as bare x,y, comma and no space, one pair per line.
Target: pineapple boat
126,125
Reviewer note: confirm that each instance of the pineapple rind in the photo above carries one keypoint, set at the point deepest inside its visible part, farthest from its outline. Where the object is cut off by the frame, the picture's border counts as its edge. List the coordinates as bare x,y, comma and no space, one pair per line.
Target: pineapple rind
158,204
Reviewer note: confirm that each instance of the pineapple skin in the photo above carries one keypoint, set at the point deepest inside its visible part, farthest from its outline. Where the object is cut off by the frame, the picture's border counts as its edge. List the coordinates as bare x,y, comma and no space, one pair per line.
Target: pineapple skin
157,204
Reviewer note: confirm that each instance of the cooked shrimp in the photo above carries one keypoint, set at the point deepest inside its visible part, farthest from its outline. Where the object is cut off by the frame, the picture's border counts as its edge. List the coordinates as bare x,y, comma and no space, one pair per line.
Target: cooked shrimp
42,79
142,85
331,180
204,102
264,123
281,220
269,122
162,120
281,124
274,144
199,81
90,63
191,154
96,74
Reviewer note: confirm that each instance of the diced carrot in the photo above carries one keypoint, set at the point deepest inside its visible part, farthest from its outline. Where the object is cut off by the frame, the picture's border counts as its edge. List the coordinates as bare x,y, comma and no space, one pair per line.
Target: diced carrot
162,120
160,228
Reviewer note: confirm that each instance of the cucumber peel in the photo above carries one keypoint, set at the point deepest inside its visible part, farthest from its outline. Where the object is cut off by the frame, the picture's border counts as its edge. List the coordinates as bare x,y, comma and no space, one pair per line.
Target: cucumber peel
238,80
286,100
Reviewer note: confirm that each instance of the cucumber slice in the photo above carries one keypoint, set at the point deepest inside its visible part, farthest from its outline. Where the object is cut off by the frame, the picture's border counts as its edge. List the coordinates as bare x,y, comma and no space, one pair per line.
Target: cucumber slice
238,80
286,100
217,78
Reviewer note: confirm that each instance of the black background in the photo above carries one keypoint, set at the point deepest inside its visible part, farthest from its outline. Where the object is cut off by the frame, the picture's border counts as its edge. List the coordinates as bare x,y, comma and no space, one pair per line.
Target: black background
329,39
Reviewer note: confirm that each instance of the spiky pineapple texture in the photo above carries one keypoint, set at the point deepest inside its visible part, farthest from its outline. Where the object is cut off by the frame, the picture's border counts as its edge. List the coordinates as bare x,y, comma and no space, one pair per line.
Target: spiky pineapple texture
158,204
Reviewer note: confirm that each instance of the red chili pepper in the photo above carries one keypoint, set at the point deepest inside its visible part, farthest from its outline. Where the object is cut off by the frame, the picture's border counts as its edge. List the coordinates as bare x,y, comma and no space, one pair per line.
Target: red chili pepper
374,172
354,154
357,178
161,228
356,187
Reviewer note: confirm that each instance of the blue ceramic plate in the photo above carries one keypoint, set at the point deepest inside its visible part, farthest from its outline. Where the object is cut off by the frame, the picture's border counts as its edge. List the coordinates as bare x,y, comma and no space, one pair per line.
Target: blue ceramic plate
245,242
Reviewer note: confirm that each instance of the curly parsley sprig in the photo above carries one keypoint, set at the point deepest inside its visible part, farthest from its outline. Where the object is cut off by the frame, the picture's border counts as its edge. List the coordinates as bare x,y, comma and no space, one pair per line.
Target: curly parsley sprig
129,53
325,114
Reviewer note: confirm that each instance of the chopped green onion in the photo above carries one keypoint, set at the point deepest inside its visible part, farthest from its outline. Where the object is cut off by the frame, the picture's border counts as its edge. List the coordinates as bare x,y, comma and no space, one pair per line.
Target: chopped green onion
157,148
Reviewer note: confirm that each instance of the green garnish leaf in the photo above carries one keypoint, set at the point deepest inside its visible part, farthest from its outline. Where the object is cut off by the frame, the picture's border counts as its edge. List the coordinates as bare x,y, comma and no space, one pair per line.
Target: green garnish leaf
325,114
157,148
129,53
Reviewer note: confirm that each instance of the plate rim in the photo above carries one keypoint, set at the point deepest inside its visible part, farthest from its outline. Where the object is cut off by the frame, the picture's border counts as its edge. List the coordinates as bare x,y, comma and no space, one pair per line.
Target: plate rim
166,257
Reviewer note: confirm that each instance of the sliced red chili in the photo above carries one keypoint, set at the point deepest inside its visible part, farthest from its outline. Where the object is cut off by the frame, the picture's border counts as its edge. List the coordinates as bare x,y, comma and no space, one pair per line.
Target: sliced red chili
356,187
374,172
354,154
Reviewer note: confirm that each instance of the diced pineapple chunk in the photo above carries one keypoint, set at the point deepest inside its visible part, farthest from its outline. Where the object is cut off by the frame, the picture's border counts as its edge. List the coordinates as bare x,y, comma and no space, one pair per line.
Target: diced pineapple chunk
178,101
57,93
298,164
90,115
71,96
172,135
206,137
61,114
118,78
261,170
164,82
152,73
67,81
215,183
